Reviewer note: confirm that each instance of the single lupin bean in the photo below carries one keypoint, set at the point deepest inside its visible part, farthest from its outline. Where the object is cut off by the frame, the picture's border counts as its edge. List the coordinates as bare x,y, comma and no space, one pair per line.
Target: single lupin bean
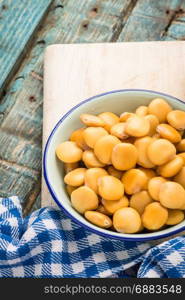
142,111
154,216
110,188
83,199
161,151
75,177
137,126
168,132
172,167
98,219
124,156
160,108
91,120
172,195
175,216
127,220
112,206
176,118
118,130
134,181
69,152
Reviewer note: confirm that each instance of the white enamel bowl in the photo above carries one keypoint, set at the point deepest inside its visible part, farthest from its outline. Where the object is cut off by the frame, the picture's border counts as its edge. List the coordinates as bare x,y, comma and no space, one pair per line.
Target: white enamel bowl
114,101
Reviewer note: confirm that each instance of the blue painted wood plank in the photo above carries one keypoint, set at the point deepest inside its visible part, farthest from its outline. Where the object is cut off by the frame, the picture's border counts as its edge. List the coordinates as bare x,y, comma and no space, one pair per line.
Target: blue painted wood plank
19,19
149,20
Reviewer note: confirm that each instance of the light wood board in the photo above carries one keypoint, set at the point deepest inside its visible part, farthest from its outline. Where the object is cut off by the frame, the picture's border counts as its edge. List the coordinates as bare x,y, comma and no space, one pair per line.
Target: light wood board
75,72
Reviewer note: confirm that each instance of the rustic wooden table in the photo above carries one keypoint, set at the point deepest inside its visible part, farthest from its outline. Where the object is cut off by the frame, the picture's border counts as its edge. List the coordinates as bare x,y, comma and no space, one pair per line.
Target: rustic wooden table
26,28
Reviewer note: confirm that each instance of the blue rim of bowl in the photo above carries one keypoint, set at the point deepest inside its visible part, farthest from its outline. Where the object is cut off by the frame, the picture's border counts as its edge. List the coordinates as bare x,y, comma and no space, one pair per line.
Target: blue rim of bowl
51,190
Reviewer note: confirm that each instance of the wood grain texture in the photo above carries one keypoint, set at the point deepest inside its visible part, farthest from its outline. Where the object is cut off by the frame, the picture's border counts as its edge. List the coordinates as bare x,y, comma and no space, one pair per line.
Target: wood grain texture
70,21
19,19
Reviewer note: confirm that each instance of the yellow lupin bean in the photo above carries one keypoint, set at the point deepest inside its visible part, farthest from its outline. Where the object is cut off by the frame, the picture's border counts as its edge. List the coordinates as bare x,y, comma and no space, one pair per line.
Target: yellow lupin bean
68,167
91,120
112,206
109,119
172,167
154,216
141,145
90,159
180,177
175,216
125,116
118,130
183,156
78,137
134,181
176,118
161,151
70,189
154,186
110,188
127,220
91,177
75,177
150,174
160,108
168,132
114,172
104,146
69,152
124,156
172,195
154,122
181,146
92,134
98,219
137,126
140,200
142,111
83,199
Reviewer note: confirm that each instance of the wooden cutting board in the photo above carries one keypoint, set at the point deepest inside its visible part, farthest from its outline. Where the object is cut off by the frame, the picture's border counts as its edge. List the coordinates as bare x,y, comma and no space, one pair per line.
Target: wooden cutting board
75,72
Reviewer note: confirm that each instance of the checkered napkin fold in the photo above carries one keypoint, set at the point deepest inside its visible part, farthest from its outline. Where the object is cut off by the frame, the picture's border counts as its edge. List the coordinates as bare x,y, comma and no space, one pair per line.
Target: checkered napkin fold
49,244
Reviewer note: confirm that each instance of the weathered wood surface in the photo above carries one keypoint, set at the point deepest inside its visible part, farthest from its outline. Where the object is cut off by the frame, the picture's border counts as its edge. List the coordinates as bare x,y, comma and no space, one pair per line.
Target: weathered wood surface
20,19
68,21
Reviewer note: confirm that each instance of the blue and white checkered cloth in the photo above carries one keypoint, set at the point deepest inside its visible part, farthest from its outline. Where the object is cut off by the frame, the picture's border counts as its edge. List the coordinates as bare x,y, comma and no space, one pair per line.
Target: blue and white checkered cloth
49,244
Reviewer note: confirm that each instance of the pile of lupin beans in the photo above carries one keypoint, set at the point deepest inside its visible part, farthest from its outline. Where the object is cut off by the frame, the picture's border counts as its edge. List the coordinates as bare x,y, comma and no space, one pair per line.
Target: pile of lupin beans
127,172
